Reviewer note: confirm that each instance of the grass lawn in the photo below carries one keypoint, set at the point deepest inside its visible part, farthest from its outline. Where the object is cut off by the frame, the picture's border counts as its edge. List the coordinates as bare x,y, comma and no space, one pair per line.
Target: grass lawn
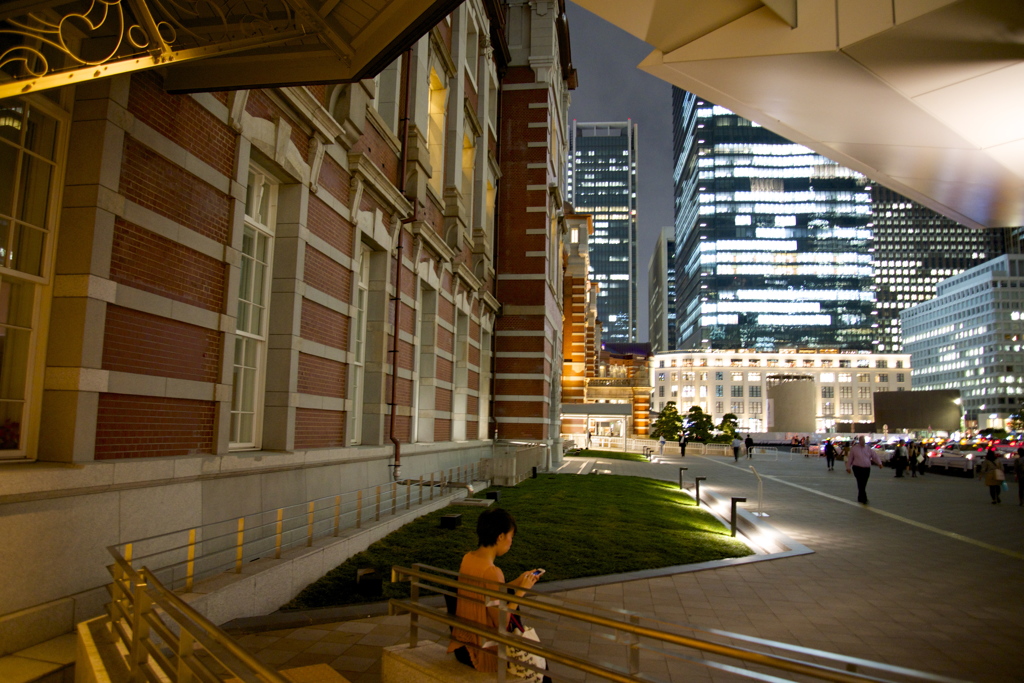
572,526
609,455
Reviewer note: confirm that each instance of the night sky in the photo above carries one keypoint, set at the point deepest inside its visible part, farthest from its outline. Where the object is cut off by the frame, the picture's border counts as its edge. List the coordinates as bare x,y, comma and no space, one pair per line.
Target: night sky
611,88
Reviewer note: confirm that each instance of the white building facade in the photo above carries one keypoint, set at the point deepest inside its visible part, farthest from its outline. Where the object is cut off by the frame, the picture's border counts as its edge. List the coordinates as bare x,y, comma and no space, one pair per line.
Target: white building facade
969,337
738,381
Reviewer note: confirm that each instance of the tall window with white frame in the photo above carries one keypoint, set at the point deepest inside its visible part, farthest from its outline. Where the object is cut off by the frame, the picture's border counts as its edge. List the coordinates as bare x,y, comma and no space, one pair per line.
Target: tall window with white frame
460,376
357,357
251,324
484,393
31,158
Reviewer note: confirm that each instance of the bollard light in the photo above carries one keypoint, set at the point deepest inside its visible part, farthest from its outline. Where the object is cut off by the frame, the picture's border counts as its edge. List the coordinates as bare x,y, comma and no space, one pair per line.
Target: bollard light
698,480
681,470
732,519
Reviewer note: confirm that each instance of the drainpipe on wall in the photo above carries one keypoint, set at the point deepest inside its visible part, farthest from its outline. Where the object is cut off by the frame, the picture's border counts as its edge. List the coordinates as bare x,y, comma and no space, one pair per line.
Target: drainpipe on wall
403,163
494,259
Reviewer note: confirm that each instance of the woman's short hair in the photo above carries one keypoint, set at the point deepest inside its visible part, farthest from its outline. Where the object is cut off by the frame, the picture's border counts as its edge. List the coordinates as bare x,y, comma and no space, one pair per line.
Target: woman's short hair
492,523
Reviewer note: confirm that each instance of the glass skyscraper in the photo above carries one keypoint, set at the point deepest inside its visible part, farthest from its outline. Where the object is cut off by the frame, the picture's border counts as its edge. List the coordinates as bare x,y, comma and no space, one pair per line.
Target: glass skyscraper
916,248
661,292
774,242
601,177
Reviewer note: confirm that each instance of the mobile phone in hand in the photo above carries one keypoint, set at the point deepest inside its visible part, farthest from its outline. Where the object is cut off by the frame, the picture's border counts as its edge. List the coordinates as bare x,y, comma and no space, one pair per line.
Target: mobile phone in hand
538,572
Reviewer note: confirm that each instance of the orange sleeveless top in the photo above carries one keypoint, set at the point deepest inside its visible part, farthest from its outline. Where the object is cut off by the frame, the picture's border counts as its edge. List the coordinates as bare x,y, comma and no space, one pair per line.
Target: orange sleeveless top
471,607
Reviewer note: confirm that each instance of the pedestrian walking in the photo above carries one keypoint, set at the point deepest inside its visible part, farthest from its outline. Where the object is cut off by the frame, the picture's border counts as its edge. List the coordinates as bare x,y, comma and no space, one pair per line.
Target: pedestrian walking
912,449
682,444
661,445
737,444
749,442
1018,470
900,459
830,455
991,474
859,462
588,438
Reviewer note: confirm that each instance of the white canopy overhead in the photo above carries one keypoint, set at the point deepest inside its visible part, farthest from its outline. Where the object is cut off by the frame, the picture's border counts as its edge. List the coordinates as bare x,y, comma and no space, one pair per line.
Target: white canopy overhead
923,96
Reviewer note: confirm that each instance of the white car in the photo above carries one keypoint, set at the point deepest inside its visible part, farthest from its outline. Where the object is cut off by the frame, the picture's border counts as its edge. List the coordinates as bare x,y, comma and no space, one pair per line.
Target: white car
953,456
950,456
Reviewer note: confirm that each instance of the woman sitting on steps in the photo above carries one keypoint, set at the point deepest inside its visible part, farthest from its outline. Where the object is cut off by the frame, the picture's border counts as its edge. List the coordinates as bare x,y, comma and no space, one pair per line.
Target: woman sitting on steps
494,530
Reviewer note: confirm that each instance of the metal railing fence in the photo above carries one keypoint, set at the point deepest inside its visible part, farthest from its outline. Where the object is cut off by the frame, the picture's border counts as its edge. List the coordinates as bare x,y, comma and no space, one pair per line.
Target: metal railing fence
181,558
639,638
634,445
160,638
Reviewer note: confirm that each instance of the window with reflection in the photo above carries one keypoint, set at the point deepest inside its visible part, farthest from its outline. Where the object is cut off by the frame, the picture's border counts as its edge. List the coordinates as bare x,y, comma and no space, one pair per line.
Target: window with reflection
31,144
249,372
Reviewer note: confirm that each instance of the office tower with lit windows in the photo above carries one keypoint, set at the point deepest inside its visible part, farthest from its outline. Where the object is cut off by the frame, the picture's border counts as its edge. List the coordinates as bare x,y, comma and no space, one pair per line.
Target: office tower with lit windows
773,241
970,337
601,177
661,292
915,248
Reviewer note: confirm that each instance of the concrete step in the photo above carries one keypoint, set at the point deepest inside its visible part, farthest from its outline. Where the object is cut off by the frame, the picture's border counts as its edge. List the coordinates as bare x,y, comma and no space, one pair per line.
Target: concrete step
49,662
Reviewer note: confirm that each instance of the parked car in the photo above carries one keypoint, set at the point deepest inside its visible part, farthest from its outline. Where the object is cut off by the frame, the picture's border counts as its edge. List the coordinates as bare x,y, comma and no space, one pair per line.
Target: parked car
965,457
950,456
884,450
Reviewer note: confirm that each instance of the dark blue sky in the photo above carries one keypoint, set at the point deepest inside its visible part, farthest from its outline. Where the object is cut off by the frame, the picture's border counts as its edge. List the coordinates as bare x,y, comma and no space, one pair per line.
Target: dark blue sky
611,88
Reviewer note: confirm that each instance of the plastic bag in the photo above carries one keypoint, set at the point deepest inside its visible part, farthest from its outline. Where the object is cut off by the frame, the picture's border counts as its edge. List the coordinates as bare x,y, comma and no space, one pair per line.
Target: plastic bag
518,660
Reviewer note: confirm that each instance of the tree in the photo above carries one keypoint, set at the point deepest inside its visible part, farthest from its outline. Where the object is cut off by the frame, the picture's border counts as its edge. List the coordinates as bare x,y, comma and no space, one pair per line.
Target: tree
698,425
994,432
728,425
668,424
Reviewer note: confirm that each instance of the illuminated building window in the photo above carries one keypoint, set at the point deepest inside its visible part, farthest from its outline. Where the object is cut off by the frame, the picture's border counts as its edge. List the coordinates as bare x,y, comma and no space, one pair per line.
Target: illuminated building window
31,166
438,112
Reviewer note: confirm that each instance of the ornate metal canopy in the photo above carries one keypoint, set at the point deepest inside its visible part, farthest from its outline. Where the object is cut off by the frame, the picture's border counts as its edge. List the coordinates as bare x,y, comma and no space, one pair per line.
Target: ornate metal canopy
206,44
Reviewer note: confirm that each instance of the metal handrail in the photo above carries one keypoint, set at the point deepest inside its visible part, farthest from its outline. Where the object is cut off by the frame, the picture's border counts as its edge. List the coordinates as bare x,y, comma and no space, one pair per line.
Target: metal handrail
141,608
628,623
236,541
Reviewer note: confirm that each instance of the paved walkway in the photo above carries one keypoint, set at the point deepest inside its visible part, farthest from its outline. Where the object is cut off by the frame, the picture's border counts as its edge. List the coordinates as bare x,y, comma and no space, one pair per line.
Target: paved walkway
929,576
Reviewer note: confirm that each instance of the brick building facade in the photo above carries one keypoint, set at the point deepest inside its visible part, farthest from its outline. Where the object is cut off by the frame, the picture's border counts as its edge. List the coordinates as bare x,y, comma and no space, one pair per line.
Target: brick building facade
531,223
595,372
217,303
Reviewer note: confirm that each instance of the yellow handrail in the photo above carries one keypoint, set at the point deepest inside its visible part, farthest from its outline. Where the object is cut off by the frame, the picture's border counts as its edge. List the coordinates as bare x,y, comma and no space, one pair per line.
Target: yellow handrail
295,525
629,624
175,655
